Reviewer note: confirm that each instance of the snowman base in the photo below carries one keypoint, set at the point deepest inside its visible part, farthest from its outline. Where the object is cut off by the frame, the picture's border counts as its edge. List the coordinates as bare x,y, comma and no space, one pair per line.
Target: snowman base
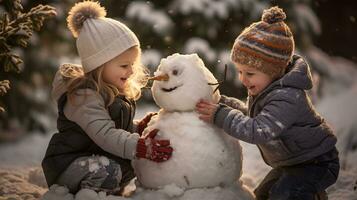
235,191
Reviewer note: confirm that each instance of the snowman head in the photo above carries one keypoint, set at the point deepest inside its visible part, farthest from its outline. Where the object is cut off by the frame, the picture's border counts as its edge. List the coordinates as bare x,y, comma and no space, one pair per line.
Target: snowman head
181,81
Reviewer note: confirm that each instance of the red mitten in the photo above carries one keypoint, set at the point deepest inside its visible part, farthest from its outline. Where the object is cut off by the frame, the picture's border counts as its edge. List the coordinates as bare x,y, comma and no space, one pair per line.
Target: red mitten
150,148
144,122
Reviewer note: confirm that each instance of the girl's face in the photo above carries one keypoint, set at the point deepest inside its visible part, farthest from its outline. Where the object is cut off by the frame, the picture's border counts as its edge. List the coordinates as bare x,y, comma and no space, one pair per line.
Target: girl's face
119,69
254,80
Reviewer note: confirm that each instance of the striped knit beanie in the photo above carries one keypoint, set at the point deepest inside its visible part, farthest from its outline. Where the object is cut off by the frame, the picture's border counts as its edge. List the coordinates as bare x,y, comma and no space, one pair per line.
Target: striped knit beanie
267,45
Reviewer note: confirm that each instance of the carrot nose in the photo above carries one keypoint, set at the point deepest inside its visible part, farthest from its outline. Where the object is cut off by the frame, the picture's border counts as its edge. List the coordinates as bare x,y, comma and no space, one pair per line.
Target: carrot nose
162,77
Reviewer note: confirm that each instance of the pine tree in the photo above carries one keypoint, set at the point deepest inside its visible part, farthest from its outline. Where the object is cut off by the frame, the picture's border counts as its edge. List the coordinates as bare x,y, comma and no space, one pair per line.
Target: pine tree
16,28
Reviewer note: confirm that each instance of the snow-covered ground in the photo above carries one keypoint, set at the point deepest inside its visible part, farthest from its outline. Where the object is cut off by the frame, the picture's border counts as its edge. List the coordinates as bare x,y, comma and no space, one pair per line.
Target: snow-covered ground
21,176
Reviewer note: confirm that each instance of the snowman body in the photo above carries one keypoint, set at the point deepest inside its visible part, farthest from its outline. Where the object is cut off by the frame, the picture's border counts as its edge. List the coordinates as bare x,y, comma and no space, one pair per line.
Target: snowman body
203,156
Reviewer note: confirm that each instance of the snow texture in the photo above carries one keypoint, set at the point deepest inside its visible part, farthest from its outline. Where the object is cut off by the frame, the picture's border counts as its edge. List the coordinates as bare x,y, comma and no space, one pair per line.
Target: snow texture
146,14
201,46
169,192
96,162
203,156
208,8
18,160
188,81
151,58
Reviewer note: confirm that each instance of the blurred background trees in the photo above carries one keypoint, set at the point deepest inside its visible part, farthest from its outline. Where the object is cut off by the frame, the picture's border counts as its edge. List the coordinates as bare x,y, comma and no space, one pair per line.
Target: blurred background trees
16,29
206,27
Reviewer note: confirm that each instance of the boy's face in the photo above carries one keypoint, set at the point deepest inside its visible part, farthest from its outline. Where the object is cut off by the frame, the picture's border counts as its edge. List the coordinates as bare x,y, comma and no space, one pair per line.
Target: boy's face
254,80
119,69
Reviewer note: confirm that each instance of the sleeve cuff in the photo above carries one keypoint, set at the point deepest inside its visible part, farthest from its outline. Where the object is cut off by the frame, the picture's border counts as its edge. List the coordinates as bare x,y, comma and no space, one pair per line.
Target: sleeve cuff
220,115
222,99
130,146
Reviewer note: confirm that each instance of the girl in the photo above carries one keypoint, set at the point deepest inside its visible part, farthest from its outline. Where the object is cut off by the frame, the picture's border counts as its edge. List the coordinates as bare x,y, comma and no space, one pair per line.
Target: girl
96,107
280,119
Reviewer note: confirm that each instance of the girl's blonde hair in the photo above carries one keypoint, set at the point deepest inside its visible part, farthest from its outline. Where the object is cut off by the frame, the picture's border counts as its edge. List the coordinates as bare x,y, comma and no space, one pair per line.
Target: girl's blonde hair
77,79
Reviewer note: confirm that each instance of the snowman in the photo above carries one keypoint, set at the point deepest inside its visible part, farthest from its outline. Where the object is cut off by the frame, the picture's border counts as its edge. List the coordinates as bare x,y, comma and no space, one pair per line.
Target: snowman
204,156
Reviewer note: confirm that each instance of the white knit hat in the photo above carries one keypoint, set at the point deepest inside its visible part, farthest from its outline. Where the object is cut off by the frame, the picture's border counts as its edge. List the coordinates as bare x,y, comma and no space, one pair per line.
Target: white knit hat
99,39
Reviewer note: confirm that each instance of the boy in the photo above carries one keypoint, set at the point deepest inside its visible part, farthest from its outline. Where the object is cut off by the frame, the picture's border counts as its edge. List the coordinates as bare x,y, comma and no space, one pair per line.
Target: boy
280,119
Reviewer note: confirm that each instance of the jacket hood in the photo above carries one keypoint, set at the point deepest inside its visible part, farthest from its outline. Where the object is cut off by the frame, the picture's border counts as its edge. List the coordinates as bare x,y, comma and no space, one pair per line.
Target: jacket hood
298,75
64,73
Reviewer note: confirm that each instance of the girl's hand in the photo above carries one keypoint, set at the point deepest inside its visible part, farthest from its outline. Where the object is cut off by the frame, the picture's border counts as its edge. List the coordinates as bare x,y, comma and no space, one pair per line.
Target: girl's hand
153,149
206,110
144,122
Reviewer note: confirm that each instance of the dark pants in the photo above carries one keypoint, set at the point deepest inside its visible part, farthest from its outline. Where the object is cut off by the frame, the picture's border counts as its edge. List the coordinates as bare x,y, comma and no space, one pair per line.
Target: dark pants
302,181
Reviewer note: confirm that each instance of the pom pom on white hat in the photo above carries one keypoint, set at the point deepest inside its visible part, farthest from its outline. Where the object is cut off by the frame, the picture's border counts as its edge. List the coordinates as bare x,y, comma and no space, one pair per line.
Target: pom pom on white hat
99,39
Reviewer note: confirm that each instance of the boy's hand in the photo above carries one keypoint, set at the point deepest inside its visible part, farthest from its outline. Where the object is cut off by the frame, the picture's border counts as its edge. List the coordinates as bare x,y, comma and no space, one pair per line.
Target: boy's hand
152,149
206,110
144,122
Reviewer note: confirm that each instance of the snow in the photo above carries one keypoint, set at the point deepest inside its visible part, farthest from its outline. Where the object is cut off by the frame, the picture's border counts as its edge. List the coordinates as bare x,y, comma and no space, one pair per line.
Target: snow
279,124
96,162
57,193
27,152
224,58
151,58
201,46
169,192
308,21
14,185
172,190
207,8
192,78
20,158
204,156
21,176
338,73
345,127
345,188
146,14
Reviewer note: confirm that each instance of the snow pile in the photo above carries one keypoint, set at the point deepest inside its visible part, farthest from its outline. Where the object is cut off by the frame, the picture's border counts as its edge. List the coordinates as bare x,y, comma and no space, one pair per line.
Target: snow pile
58,192
173,192
169,192
14,185
36,177
345,187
